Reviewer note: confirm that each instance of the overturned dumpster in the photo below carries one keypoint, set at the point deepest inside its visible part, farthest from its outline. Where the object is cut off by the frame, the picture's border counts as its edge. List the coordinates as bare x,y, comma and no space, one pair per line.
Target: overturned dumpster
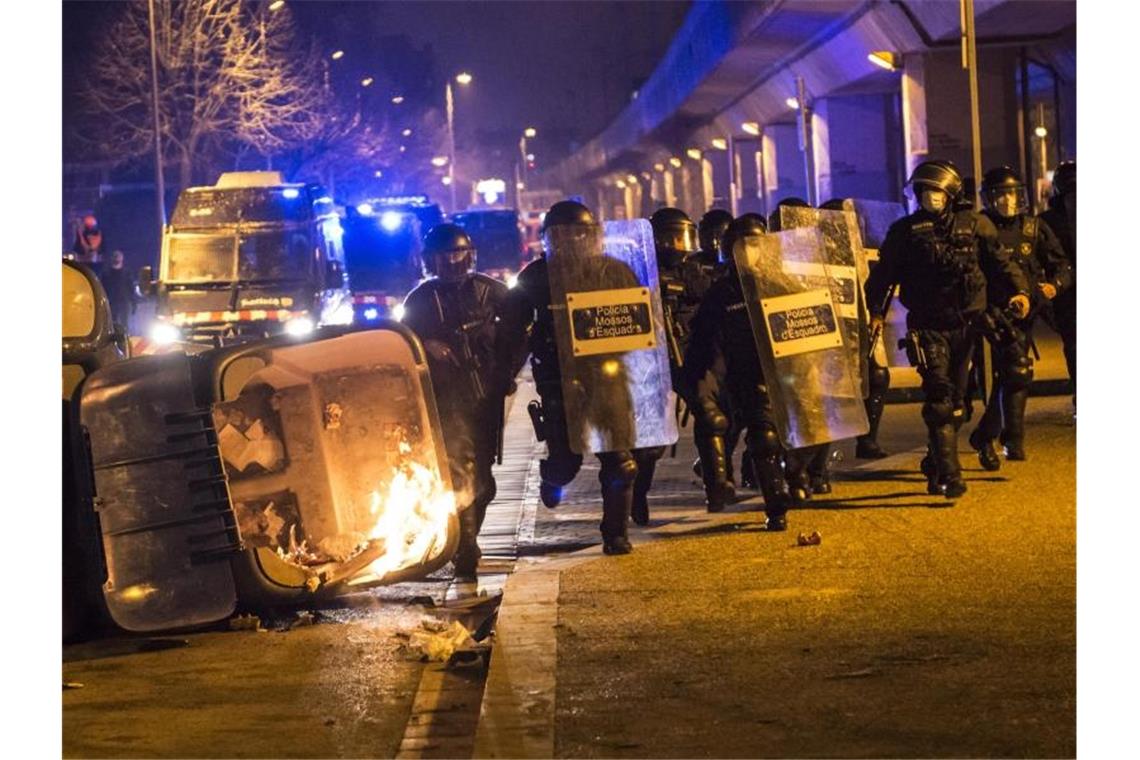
267,473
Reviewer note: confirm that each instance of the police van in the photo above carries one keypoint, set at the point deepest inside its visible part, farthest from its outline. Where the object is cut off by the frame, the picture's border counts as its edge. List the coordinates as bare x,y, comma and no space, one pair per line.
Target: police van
250,257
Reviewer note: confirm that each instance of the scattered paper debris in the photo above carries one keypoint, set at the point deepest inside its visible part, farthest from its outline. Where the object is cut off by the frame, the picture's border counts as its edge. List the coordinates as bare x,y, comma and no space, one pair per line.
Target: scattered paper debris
333,412
246,623
813,540
437,641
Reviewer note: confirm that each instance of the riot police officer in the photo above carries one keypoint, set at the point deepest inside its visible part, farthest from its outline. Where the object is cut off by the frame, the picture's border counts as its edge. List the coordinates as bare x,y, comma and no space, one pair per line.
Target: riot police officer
710,404
530,322
1062,220
455,313
1030,243
683,281
941,260
722,328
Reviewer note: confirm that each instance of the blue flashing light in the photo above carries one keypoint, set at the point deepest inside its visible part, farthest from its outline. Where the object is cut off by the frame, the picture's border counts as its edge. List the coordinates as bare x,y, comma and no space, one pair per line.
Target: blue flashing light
391,221
371,313
364,209
290,193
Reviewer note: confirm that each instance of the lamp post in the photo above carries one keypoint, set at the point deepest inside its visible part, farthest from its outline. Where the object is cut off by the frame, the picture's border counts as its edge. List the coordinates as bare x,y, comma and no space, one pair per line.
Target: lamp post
462,78
159,185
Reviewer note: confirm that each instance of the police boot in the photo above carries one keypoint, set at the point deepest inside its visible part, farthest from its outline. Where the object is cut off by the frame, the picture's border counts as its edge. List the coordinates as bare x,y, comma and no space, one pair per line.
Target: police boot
467,556
867,446
985,448
616,505
1013,437
930,469
748,474
945,438
819,471
639,509
718,491
777,496
550,494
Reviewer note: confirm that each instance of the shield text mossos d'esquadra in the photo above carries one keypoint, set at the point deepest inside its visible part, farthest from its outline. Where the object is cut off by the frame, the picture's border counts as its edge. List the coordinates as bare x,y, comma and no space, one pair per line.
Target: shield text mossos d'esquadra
843,269
816,397
606,304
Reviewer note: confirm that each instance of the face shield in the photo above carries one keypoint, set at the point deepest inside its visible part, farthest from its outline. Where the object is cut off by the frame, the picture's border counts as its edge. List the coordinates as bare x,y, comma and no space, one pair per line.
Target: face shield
583,237
451,266
931,199
1007,202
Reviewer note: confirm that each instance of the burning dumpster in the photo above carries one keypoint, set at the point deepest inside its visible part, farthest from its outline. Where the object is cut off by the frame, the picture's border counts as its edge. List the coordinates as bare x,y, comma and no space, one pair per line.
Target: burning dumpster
264,473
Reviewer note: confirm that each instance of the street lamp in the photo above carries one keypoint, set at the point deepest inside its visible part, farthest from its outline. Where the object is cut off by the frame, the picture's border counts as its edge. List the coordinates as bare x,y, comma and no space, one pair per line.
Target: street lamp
337,55
530,132
397,100
463,78
366,82
277,5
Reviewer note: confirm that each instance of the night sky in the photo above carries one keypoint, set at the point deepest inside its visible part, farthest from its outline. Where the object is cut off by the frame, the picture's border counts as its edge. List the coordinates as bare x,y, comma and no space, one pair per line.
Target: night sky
564,67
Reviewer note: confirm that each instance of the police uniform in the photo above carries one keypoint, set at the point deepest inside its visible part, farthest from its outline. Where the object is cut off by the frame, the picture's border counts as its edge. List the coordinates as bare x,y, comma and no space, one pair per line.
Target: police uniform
941,262
1027,241
722,330
624,475
1062,311
457,322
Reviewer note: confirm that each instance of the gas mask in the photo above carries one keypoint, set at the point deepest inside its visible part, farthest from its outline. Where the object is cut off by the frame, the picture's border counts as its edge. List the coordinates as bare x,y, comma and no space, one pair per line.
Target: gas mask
933,200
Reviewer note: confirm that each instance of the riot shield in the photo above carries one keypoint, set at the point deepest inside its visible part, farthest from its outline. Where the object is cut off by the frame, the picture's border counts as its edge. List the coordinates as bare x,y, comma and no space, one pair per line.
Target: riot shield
612,349
800,338
874,218
844,270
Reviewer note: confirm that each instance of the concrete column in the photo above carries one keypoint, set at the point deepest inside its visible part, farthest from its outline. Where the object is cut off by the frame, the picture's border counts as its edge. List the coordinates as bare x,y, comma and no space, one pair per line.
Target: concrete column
707,191
783,164
748,181
936,108
670,196
858,147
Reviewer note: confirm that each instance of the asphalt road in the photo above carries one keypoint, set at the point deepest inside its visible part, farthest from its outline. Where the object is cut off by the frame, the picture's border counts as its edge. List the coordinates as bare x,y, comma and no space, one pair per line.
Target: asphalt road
914,630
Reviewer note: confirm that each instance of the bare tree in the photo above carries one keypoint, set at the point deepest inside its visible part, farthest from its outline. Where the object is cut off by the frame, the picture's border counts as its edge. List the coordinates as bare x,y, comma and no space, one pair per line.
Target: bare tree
230,73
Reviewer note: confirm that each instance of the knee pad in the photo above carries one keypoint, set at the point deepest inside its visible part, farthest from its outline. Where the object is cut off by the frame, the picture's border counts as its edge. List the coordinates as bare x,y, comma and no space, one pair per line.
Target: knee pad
765,441
1018,374
619,469
880,379
937,413
710,420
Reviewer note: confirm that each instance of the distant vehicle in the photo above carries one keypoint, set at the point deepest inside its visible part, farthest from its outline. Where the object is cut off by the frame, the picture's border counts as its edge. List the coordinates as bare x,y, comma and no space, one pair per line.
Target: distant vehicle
383,242
499,239
250,257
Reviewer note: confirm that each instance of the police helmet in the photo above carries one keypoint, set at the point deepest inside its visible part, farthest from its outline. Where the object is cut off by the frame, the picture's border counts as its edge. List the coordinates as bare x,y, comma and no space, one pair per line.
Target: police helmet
674,236
569,214
1000,180
939,175
449,253
1065,178
742,226
711,229
774,217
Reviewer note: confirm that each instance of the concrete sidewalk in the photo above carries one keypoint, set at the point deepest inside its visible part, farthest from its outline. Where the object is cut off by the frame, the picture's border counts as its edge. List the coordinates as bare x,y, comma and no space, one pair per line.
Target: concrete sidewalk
912,630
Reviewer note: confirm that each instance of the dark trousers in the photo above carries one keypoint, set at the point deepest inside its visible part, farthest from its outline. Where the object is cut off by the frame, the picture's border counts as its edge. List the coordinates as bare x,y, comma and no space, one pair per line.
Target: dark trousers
763,447
470,438
1062,317
944,379
1004,416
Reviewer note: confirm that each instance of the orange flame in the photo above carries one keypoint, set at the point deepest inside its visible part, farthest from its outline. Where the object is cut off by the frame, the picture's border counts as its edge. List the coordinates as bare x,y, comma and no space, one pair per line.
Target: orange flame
412,514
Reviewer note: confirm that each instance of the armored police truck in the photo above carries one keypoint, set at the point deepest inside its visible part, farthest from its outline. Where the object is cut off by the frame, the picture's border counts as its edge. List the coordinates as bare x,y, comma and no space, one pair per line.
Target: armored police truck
250,257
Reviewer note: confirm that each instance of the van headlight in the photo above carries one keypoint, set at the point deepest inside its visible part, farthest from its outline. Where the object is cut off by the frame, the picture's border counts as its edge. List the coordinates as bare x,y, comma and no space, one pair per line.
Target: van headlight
299,326
164,333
